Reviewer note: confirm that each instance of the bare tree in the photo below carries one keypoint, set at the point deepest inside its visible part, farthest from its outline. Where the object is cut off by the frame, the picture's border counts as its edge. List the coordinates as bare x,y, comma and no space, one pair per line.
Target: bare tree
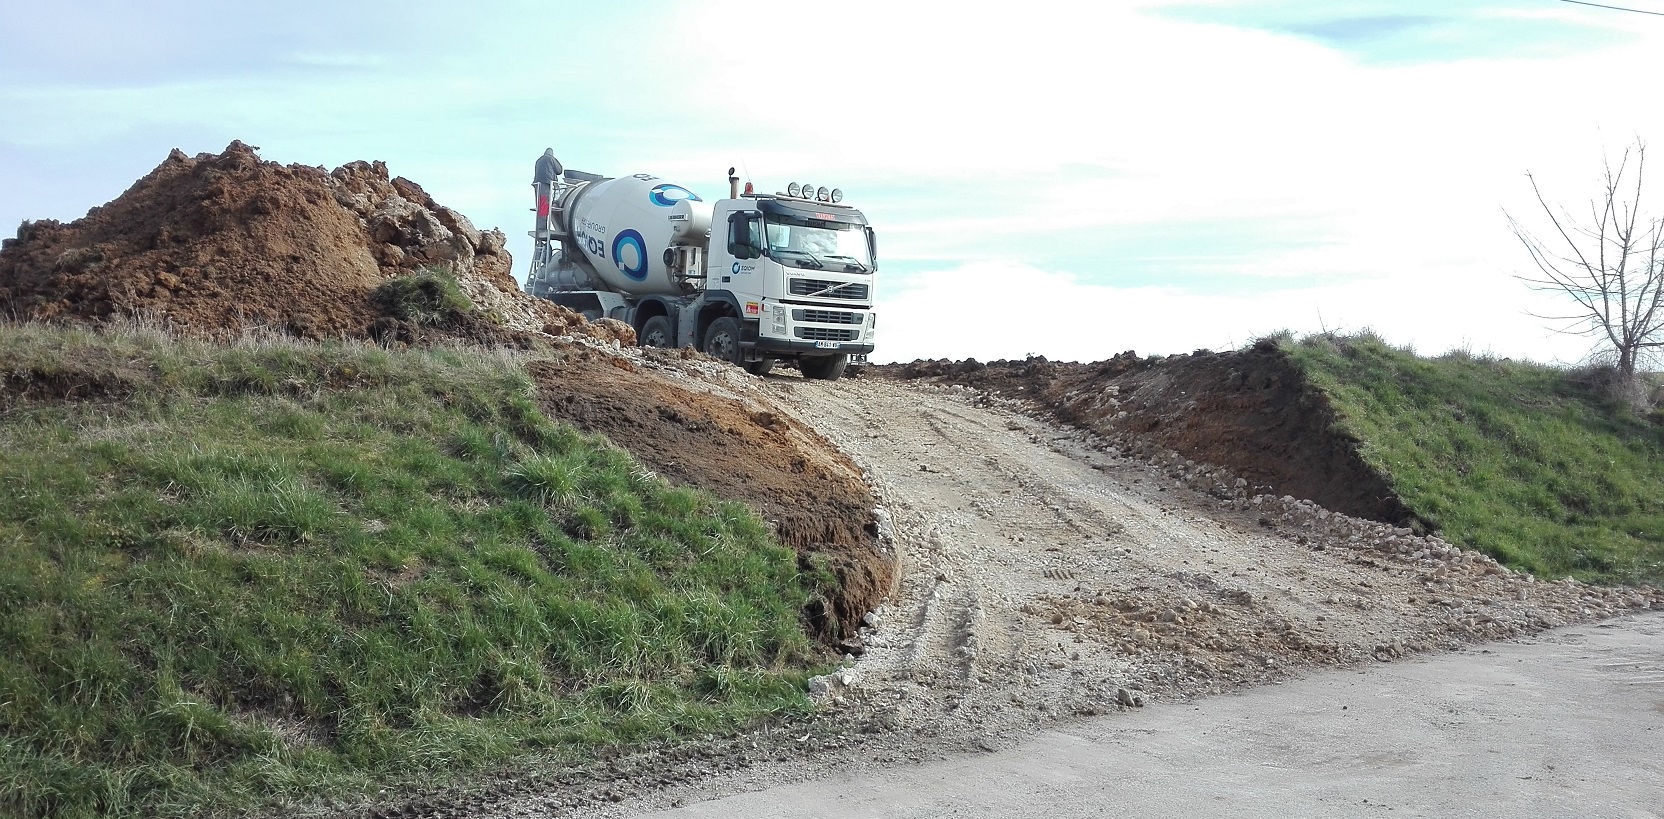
1612,267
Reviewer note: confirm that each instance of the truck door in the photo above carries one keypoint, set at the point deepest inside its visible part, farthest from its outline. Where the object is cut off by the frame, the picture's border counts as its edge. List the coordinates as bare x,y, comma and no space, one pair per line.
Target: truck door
736,250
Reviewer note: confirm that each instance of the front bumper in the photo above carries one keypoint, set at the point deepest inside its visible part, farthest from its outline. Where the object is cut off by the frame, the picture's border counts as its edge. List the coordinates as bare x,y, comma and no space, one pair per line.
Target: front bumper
796,329
794,347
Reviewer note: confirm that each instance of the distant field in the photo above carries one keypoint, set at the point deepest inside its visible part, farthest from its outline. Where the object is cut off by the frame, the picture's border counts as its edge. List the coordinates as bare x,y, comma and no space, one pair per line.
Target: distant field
268,569
1529,463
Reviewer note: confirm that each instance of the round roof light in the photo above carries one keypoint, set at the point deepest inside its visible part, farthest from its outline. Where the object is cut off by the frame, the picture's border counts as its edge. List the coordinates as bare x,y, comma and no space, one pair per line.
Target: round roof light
823,194
808,191
837,195
794,189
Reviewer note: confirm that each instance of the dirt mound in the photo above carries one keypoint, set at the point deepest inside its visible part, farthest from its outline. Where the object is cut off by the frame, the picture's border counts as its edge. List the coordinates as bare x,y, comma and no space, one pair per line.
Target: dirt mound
741,448
219,244
1250,412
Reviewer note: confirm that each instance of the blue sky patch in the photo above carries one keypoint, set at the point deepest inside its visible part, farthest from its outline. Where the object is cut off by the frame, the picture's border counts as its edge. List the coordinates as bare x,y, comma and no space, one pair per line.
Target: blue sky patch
1418,31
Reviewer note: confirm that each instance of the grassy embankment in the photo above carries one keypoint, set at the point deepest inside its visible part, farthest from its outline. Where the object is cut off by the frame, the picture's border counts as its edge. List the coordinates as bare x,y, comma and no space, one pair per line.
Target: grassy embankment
1527,462
232,575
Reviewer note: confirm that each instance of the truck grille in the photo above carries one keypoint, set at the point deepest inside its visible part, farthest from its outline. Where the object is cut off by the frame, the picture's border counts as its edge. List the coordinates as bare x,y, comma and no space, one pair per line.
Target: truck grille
834,290
826,334
827,316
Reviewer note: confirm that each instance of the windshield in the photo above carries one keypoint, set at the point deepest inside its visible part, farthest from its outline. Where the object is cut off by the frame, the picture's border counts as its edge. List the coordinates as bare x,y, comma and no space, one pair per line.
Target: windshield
816,244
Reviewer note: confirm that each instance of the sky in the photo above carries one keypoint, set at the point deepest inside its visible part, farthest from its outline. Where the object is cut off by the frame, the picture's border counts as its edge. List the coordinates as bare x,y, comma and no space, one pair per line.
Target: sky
1066,179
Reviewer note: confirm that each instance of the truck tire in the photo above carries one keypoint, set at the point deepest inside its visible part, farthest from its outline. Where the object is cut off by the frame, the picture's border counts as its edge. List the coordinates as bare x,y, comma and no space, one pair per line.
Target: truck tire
760,367
824,368
722,340
657,332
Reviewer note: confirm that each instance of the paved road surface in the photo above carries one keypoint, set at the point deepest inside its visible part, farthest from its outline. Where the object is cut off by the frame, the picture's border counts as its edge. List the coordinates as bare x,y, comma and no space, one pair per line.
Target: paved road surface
1566,724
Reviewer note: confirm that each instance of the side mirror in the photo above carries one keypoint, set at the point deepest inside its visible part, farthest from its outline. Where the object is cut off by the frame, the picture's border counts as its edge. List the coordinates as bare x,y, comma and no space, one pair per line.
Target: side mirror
872,247
743,238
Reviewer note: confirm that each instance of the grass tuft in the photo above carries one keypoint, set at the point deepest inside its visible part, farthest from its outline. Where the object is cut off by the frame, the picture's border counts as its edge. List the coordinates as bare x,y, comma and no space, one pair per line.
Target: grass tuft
429,296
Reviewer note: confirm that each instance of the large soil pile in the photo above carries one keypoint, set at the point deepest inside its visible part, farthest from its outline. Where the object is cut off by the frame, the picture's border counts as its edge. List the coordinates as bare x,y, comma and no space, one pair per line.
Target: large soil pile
1249,411
219,244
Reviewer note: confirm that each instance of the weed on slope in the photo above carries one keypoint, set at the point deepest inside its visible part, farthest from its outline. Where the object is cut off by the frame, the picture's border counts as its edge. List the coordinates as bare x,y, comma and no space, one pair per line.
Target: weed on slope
1519,459
235,576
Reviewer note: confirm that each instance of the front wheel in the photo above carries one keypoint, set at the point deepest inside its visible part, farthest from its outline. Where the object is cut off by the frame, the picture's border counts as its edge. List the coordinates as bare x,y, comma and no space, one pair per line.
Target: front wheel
824,368
722,340
763,367
657,332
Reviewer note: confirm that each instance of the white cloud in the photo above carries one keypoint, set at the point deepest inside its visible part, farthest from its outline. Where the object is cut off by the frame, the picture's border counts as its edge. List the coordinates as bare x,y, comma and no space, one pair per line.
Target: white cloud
1379,187
1000,310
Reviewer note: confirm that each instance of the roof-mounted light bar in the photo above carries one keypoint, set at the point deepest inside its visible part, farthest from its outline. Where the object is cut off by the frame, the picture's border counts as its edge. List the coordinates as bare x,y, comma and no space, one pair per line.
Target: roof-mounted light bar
810,193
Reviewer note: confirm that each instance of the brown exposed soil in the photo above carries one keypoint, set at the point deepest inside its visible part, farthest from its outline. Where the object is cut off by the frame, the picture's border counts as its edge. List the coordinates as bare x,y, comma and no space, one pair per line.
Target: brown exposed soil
218,244
738,448
1250,412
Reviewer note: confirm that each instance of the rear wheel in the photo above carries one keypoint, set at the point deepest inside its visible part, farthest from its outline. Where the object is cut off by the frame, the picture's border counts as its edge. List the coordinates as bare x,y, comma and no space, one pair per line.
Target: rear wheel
722,340
759,367
657,332
825,368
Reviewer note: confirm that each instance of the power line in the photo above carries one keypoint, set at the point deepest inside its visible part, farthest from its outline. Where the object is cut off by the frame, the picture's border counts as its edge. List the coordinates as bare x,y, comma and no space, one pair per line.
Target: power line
1614,8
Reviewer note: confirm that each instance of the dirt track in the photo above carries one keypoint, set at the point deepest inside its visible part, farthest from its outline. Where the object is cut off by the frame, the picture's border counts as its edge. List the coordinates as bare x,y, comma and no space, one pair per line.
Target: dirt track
1044,578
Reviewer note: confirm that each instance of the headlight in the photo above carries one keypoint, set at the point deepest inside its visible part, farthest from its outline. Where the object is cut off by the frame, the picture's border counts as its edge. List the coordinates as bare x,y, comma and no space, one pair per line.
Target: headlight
808,190
837,195
794,189
823,194
779,322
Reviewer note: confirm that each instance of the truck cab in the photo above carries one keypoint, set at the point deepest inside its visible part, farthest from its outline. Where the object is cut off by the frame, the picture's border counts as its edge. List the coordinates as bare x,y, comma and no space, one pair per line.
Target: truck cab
801,272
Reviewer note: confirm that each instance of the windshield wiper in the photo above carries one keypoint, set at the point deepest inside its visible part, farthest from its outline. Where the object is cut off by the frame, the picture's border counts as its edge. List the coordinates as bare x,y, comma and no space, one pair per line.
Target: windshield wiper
813,259
851,263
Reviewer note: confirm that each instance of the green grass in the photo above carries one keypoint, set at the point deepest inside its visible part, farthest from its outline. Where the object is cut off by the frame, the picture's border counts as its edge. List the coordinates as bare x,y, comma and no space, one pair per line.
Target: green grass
429,296
1527,462
268,571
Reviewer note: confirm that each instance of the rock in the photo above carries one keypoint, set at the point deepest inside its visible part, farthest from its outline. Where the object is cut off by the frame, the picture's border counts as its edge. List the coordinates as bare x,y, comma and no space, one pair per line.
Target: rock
492,242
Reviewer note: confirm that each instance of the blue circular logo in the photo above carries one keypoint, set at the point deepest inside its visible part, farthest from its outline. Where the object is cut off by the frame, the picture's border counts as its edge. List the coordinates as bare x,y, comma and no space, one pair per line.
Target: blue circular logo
667,194
736,268
636,267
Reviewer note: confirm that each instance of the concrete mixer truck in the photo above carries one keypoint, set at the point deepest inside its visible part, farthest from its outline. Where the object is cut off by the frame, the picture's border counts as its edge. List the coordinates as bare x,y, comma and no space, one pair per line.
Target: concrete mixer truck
753,279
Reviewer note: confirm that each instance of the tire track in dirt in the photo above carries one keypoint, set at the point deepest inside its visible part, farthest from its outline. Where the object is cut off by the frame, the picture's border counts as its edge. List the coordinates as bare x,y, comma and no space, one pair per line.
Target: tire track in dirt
1083,580
1044,576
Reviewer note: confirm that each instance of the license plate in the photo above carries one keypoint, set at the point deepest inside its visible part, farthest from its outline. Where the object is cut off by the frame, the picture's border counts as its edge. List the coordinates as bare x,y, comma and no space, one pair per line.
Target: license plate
827,345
